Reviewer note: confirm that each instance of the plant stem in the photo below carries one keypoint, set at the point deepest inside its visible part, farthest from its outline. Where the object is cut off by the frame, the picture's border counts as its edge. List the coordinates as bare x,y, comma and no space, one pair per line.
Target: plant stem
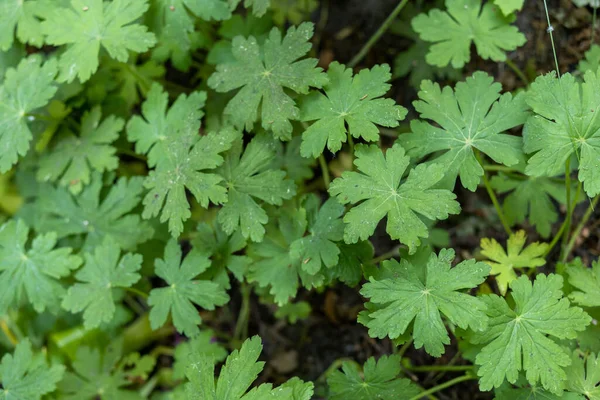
404,347
517,71
550,30
565,234
501,168
443,386
433,368
8,333
594,21
324,171
386,24
241,326
579,228
556,238
492,195
351,144
386,256
137,292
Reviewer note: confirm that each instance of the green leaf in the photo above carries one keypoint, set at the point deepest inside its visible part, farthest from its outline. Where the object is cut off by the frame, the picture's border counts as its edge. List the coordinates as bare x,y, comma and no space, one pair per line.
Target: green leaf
182,292
530,196
565,123
221,248
383,194
353,257
203,345
379,380
262,73
259,7
71,158
515,256
293,312
25,89
523,338
104,271
97,375
465,22
349,101
247,177
426,300
87,26
318,248
275,266
471,118
591,62
94,215
587,281
298,168
32,273
20,17
583,376
506,392
509,6
239,372
26,376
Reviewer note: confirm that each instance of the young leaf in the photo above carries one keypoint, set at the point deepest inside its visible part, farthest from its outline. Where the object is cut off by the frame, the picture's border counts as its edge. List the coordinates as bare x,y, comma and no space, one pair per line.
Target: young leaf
262,72
240,370
203,345
530,196
183,292
318,248
524,338
587,281
71,158
33,273
583,376
87,26
104,271
352,101
505,262
25,89
94,215
425,301
379,380
259,7
380,188
465,22
349,268
509,6
591,62
471,118
249,176
26,376
565,123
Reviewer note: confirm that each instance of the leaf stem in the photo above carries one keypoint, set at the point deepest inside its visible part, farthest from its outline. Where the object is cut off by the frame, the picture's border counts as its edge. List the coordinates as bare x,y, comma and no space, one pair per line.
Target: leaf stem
387,255
434,368
493,197
500,168
324,171
579,228
404,348
8,333
517,71
443,386
241,325
565,234
137,292
550,30
594,21
351,144
386,24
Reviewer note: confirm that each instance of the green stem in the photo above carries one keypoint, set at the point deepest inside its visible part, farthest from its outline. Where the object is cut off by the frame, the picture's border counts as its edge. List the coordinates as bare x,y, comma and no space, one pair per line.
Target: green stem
565,234
517,71
579,228
434,368
387,255
351,145
443,386
500,168
8,333
550,30
386,24
324,171
404,348
594,22
241,326
493,197
137,292
556,238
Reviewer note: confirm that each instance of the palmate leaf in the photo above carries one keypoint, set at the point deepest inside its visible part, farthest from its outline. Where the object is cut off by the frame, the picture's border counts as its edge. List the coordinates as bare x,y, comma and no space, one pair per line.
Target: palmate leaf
202,345
505,262
509,6
523,338
466,22
22,17
247,177
88,25
471,118
104,271
25,89
352,101
33,273
259,7
262,72
26,376
565,123
182,292
586,282
583,376
407,297
93,214
72,156
241,369
379,380
379,189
